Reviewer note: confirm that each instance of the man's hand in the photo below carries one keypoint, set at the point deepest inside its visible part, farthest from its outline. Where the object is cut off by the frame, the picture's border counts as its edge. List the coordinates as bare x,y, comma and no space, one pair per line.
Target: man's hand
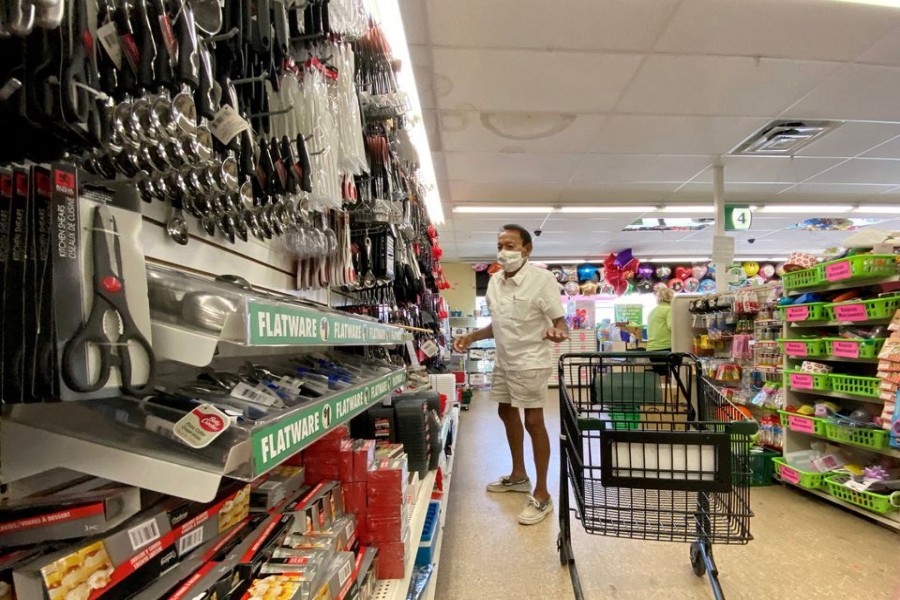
556,335
462,343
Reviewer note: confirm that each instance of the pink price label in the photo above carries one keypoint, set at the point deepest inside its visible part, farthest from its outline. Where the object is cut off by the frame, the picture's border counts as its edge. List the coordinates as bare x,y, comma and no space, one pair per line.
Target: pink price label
802,425
795,348
851,312
801,381
790,475
845,349
838,271
797,313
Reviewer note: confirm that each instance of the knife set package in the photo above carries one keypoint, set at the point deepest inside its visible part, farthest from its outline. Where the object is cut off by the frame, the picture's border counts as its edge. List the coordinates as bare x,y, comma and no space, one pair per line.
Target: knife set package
26,339
99,290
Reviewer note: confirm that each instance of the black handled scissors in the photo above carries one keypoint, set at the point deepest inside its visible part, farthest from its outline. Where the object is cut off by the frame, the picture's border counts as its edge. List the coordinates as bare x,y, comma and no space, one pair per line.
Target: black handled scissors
109,296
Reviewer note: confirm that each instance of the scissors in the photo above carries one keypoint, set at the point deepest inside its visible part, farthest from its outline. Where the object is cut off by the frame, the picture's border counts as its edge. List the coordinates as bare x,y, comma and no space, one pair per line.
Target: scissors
109,296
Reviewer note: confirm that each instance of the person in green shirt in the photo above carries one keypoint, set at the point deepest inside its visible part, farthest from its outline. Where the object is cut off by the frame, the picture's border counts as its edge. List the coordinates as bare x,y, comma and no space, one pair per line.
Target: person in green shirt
659,329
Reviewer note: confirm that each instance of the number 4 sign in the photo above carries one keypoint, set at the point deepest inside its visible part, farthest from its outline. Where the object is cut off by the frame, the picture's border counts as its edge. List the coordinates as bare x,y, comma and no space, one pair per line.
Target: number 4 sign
737,217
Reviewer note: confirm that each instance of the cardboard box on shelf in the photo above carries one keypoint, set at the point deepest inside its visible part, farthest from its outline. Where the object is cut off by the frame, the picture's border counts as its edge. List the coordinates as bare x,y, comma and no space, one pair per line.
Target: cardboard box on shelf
275,487
392,559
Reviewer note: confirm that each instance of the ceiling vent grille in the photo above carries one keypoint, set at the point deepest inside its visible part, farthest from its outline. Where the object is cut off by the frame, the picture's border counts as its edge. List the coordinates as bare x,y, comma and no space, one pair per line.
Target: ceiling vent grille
784,138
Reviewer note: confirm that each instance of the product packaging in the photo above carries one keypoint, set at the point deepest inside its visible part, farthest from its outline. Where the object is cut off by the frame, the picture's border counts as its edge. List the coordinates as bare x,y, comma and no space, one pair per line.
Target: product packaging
355,497
276,486
392,559
384,528
318,509
388,481
270,536
363,457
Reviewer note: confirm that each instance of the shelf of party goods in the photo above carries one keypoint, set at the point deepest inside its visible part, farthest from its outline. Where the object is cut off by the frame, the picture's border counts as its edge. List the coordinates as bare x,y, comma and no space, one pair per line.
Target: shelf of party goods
850,271
192,315
858,428
238,420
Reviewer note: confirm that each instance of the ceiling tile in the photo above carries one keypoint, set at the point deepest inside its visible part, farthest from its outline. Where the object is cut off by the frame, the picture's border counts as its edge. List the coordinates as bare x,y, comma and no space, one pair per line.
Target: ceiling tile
856,92
885,51
486,193
562,24
851,138
639,168
610,193
889,149
651,134
702,191
796,29
769,169
432,130
521,80
483,166
862,170
717,85
440,165
425,87
512,132
415,25
840,190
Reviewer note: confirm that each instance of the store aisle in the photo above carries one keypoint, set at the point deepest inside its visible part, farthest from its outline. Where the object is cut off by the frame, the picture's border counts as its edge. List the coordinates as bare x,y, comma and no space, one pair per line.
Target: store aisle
803,549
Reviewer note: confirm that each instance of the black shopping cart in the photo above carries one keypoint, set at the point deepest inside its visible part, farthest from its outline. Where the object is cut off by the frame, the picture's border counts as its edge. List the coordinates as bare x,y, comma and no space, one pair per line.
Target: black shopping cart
651,452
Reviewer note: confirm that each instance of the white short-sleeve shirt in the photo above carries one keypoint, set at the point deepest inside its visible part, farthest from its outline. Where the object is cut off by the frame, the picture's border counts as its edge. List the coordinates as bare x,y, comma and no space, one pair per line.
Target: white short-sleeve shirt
522,308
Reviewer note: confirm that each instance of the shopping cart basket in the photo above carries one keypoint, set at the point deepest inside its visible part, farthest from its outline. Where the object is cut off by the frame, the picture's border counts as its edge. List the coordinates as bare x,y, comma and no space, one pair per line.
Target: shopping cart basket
651,452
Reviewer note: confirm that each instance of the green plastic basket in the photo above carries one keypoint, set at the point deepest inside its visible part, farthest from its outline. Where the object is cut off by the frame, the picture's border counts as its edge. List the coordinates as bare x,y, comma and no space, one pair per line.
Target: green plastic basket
805,278
762,470
877,308
856,385
860,266
876,439
813,311
879,503
853,348
800,347
801,380
805,479
802,423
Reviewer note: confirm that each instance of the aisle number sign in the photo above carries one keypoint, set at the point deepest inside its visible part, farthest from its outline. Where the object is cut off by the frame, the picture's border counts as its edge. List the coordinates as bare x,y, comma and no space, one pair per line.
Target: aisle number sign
630,313
275,443
738,217
279,325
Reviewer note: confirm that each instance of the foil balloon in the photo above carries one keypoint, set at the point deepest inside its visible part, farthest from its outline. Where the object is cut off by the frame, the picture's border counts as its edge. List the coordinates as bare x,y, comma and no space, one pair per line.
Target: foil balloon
699,271
751,268
559,274
756,280
606,289
707,286
676,284
571,288
663,272
736,275
628,274
644,286
589,288
587,272
623,258
682,273
645,272
658,285
691,284
711,270
767,270
480,267
622,287
779,269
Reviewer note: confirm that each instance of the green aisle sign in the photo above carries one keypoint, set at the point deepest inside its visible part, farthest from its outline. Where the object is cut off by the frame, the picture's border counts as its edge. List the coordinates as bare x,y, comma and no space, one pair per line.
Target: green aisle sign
275,443
630,313
280,325
738,217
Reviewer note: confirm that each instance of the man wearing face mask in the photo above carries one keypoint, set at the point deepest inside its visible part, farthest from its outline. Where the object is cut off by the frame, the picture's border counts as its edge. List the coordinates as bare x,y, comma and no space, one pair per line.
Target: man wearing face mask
526,315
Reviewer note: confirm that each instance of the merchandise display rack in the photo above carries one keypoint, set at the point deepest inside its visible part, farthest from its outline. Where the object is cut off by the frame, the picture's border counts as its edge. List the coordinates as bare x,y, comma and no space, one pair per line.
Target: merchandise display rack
800,440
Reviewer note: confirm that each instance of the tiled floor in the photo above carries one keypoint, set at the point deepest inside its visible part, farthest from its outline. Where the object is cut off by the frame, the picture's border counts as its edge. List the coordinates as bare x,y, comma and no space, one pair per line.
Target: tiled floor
803,549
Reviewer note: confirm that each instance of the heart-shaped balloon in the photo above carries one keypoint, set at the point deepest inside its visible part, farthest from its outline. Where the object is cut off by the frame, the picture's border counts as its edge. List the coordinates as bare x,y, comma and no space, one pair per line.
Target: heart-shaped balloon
683,273
699,271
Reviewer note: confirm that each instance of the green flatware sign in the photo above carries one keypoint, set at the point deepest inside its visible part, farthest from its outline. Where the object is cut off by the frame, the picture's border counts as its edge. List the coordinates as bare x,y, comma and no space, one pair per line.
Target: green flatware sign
279,325
275,443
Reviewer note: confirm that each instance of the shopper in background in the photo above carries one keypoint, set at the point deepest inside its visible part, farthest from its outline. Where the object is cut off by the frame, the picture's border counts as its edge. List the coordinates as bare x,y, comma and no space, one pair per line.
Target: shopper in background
526,315
659,330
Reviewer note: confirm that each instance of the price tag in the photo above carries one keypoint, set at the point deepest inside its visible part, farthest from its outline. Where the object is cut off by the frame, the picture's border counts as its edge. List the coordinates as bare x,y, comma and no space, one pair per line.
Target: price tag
801,381
797,313
257,395
430,348
845,349
227,124
801,424
795,348
201,426
838,271
790,475
851,312
109,39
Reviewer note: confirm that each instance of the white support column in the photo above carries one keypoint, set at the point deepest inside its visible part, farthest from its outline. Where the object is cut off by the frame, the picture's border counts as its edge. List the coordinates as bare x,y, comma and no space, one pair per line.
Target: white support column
719,202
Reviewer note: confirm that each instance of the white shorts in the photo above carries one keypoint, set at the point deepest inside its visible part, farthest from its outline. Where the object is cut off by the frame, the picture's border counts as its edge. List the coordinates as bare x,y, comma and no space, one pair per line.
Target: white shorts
522,389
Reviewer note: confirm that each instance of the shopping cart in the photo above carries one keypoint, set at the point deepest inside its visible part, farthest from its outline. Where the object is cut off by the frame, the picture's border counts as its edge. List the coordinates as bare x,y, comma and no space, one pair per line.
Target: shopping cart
652,452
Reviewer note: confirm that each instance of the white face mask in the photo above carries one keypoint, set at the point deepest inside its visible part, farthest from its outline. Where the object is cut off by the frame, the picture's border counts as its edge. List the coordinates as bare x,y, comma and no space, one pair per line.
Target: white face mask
510,260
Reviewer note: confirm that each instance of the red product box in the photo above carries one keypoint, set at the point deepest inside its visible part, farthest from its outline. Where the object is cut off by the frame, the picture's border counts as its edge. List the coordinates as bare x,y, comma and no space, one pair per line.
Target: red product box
317,472
386,529
388,450
363,457
331,441
355,497
388,481
392,560
362,528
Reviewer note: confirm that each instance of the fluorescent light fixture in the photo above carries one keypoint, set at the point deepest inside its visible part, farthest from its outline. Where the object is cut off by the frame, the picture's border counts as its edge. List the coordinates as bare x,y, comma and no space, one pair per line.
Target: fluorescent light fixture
502,209
654,259
606,209
760,258
387,14
877,209
805,208
888,3
687,208
563,261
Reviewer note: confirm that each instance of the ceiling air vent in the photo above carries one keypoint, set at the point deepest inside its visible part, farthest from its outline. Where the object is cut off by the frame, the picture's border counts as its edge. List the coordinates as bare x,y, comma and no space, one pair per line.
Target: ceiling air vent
784,138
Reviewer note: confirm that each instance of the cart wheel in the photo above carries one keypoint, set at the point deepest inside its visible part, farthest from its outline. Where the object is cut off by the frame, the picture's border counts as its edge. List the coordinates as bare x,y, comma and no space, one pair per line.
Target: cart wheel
697,560
564,551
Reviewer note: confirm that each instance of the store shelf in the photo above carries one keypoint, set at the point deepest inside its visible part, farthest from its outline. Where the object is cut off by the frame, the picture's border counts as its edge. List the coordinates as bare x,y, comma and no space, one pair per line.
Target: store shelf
396,589
864,361
844,285
811,324
132,441
884,451
448,478
891,520
839,395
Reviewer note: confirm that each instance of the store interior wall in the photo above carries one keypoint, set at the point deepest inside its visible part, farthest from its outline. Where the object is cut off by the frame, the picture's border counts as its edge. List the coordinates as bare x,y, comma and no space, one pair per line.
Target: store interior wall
461,295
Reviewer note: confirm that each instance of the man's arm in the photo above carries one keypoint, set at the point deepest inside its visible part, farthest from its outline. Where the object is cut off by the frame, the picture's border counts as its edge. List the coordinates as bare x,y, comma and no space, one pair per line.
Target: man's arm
558,332
462,343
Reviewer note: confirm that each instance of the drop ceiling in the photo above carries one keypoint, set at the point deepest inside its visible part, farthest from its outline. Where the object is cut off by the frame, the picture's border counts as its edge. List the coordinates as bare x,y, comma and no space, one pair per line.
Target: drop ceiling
633,101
